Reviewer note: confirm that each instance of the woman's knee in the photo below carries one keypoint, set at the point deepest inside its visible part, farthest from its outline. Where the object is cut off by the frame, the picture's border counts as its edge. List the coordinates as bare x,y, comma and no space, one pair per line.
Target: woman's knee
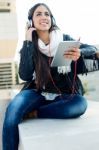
81,104
75,107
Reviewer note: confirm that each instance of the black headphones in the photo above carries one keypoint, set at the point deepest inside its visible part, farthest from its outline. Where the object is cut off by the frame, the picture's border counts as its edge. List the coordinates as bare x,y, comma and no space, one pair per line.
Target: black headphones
30,24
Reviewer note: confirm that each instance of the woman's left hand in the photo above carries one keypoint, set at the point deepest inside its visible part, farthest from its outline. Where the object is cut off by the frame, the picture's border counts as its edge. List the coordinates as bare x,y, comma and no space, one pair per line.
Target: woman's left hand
97,54
73,54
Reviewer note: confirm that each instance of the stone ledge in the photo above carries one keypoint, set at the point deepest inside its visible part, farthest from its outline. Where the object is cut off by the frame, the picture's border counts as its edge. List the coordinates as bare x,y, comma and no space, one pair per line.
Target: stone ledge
60,134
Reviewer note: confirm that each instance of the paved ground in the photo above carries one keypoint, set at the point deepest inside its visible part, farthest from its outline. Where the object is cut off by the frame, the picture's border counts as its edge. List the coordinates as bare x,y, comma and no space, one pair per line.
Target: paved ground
91,84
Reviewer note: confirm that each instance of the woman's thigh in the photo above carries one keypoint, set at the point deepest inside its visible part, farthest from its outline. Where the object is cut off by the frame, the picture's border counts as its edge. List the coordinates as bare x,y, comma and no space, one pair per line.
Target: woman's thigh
22,103
64,107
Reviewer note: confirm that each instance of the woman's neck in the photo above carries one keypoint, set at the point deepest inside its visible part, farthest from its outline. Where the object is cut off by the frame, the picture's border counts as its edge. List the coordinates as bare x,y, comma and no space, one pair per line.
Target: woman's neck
44,36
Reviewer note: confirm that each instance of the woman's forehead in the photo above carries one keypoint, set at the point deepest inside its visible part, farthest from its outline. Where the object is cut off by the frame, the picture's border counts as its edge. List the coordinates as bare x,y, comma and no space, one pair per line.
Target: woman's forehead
41,8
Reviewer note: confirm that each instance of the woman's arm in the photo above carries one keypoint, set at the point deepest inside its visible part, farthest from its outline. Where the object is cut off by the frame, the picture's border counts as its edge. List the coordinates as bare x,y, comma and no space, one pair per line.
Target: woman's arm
26,66
86,52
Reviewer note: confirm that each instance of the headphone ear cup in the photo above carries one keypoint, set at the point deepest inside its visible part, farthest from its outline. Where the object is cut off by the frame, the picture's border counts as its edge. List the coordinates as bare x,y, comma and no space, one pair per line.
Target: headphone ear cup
29,15
29,23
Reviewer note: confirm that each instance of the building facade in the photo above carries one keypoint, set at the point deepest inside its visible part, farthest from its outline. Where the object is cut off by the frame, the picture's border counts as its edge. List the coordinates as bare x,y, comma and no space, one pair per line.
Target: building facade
8,42
8,29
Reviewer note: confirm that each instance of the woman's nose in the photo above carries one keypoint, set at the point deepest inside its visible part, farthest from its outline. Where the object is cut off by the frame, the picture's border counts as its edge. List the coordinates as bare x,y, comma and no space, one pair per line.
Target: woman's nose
43,15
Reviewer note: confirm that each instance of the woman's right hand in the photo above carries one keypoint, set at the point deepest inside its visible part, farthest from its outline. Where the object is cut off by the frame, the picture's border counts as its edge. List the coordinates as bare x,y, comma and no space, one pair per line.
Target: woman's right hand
28,32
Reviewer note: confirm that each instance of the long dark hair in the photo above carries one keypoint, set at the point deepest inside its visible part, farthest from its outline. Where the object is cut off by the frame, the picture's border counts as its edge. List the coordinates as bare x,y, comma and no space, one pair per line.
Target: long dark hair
41,61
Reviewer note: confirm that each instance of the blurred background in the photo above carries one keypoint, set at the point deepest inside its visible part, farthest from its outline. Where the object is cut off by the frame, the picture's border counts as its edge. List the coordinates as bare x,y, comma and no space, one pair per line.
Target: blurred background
76,18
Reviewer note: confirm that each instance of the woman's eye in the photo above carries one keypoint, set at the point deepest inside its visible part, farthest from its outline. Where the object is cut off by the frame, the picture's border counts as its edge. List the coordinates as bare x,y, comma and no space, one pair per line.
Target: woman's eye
38,14
47,14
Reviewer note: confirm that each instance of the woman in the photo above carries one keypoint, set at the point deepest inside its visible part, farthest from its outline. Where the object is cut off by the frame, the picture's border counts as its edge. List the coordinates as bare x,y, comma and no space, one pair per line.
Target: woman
51,92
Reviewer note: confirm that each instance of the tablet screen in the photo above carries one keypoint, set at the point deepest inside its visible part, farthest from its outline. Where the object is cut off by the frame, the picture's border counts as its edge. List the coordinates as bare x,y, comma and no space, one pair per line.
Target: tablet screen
58,59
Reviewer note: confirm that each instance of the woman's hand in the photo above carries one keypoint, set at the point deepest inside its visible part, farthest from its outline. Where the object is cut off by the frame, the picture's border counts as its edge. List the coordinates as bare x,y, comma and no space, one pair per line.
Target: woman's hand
97,54
28,32
73,54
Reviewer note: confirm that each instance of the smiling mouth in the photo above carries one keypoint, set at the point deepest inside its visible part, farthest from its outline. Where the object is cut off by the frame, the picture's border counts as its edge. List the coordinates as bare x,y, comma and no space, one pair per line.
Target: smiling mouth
44,23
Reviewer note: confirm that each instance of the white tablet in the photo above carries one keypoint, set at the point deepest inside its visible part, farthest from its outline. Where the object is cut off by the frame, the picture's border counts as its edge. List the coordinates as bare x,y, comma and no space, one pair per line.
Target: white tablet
58,59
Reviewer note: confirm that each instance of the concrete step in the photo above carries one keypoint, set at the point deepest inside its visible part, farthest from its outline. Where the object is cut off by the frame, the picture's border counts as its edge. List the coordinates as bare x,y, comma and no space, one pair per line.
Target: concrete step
61,134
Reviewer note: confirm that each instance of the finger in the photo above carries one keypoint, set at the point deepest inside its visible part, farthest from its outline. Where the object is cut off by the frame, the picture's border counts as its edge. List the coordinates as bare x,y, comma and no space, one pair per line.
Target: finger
72,53
73,57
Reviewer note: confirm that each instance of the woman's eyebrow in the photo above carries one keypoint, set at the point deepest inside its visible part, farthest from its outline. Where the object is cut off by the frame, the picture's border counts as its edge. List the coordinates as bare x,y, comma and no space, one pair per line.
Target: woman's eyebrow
41,12
38,12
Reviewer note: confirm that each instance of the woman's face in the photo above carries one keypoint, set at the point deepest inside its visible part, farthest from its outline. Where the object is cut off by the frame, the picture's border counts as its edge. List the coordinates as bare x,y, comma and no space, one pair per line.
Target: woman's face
41,19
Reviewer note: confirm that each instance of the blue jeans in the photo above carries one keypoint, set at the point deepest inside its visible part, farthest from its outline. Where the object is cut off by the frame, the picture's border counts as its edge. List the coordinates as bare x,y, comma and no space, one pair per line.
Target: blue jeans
28,100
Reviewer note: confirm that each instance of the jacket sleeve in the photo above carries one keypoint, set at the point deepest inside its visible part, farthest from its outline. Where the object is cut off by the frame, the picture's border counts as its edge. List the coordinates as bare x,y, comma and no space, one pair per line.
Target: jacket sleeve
26,65
88,51
87,61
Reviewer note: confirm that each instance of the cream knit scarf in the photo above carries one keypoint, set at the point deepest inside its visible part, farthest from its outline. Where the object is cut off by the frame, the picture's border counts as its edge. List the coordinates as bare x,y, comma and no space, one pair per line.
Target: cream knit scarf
55,38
